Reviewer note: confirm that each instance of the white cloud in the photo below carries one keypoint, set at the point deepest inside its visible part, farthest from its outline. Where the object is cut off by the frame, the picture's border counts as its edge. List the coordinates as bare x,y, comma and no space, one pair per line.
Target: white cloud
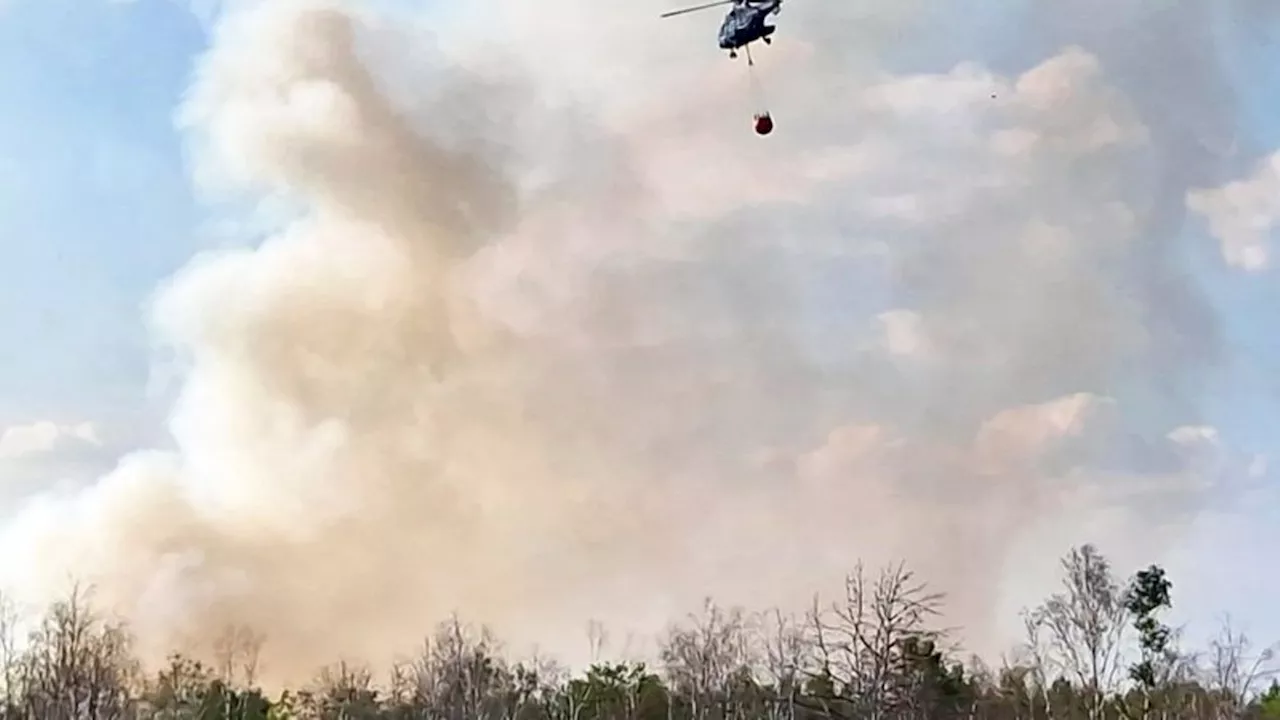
39,438
903,333
1027,431
1190,436
1243,214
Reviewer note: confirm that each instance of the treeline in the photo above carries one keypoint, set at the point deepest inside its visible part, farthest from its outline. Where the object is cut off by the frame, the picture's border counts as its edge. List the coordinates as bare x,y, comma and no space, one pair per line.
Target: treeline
1096,650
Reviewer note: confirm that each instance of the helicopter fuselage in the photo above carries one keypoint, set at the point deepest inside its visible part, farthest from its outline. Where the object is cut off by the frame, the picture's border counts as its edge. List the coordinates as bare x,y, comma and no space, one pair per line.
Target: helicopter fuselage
745,24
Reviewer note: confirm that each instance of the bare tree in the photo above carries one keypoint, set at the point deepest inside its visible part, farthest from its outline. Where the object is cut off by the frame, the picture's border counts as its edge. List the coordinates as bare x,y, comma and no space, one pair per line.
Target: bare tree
784,654
76,666
236,651
10,657
597,638
1083,627
460,675
341,692
862,641
1235,670
705,658
1033,665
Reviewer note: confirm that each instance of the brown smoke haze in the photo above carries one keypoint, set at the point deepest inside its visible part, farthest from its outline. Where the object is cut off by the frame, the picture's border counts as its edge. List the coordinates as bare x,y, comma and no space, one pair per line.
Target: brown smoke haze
542,333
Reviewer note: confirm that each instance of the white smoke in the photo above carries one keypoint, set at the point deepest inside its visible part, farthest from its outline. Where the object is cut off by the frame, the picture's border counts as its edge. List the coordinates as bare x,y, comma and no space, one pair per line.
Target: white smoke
551,335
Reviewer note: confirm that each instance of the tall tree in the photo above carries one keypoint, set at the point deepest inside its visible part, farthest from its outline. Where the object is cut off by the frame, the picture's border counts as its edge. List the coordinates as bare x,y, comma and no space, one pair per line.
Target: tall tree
1084,625
1148,594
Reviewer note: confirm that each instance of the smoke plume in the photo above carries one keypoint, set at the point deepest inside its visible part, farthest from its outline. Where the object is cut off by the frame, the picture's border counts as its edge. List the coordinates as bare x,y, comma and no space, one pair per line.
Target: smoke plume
540,332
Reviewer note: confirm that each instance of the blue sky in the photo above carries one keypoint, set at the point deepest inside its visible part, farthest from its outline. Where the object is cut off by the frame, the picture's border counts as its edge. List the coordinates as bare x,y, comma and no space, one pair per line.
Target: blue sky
1252,54
96,210
82,244
1233,558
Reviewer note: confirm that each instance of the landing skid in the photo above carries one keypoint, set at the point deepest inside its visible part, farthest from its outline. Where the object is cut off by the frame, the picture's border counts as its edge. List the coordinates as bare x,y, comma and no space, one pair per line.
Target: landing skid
733,54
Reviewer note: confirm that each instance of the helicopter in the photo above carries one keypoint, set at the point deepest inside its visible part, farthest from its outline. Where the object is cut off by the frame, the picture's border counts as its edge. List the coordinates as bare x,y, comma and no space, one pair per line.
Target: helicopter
743,25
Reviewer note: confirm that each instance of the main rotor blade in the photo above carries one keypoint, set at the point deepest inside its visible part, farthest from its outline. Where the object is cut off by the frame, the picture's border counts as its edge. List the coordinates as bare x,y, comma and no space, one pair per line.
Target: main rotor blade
696,7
